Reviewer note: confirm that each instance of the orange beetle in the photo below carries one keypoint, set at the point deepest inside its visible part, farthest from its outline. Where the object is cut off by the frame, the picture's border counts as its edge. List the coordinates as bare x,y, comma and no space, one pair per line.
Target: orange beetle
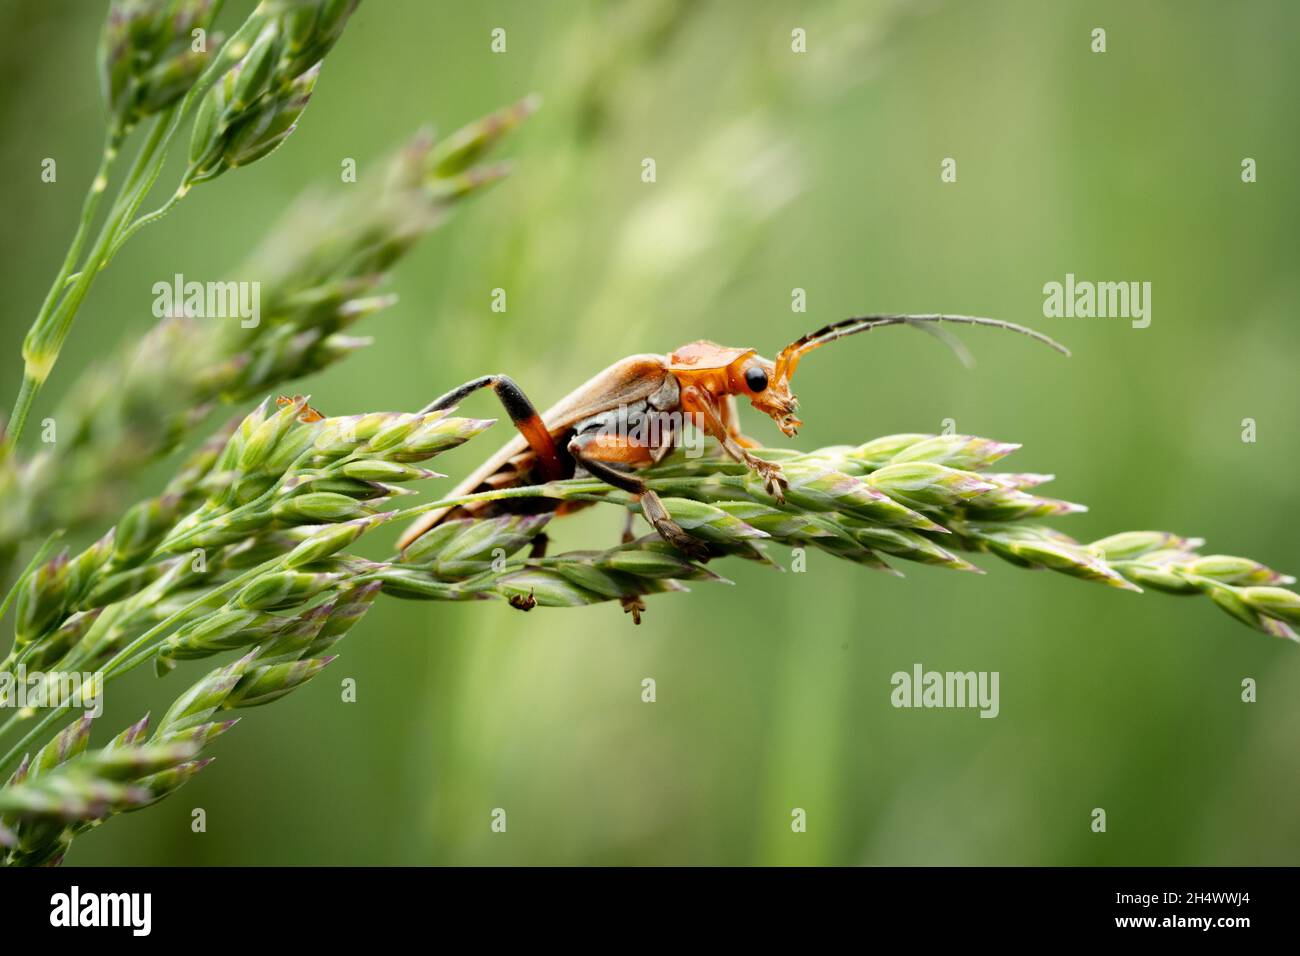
628,417
307,413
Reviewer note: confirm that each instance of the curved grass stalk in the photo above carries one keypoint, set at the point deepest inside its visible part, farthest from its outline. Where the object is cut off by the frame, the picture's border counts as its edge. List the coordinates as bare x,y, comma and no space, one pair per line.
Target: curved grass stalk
53,324
278,539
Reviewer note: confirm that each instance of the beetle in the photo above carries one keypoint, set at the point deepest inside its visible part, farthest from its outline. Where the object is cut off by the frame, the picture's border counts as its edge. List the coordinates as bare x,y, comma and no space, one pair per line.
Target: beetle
307,415
587,432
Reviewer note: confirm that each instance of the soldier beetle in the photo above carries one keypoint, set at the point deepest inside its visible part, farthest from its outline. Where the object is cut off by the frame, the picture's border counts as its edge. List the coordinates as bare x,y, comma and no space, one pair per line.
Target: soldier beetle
585,433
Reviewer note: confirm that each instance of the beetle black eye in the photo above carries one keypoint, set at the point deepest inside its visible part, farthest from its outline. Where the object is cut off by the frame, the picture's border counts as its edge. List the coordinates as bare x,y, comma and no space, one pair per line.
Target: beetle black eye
755,378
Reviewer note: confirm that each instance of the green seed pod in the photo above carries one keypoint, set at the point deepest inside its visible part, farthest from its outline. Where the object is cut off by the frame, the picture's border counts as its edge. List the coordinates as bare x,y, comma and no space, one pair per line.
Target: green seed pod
331,349
340,436
223,533
298,23
228,460
318,506
69,796
52,649
879,452
467,145
83,569
197,704
455,188
1055,554
261,685
220,631
857,553
250,487
159,785
776,523
1016,480
351,606
1227,569
281,589
170,80
1005,505
710,523
68,743
266,437
129,28
375,469
131,735
200,734
962,452
393,432
125,764
42,600
206,135
645,563
143,527
146,55
311,30
589,578
474,545
251,76
262,133
426,548
331,539
910,545
437,436
296,634
240,98
354,309
923,484
417,585
251,552
1135,544
820,489
1233,602
1275,602
352,487
290,448
1154,577
546,587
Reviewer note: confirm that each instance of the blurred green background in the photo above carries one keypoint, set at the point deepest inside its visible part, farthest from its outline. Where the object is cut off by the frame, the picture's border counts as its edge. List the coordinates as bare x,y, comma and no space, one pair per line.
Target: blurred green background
775,171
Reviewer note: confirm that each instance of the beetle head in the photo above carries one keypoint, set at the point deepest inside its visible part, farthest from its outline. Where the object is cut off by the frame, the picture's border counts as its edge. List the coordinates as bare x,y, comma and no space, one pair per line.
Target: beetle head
759,380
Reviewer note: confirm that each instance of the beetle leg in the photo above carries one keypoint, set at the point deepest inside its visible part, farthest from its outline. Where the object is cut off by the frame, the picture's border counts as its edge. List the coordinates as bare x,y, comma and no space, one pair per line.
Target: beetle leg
631,605
538,548
593,451
634,606
698,399
521,412
731,421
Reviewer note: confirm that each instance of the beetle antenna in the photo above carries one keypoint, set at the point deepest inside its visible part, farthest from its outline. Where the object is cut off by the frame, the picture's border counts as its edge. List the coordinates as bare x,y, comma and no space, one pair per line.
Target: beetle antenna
789,357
